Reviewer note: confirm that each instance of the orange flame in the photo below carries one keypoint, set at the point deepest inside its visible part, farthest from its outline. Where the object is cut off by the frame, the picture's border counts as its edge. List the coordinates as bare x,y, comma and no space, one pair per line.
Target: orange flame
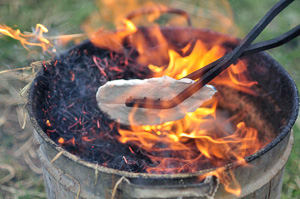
113,40
203,137
31,39
38,39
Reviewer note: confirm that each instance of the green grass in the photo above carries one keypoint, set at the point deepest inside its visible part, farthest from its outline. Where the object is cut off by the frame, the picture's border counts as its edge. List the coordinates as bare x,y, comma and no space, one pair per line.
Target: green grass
66,17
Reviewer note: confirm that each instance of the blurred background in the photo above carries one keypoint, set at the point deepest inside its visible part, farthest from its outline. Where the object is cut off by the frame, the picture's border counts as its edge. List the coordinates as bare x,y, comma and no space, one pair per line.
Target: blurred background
20,172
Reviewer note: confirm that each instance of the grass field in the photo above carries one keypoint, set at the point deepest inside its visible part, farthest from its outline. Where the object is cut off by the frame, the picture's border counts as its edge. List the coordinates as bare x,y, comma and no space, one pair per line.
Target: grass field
20,173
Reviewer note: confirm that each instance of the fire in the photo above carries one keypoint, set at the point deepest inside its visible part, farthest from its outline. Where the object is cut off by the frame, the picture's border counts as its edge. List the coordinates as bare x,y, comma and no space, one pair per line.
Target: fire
181,66
113,40
31,39
37,39
203,137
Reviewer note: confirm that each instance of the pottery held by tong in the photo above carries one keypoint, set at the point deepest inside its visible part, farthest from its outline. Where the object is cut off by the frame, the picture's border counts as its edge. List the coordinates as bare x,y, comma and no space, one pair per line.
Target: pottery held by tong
112,95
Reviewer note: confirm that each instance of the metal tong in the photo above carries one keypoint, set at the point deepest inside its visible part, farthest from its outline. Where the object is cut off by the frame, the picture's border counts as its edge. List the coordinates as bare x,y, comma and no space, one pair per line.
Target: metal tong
212,70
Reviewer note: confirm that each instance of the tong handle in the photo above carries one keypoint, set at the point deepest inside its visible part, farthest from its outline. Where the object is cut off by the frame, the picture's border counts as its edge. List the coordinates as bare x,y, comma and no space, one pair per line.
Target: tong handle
221,65
254,48
273,43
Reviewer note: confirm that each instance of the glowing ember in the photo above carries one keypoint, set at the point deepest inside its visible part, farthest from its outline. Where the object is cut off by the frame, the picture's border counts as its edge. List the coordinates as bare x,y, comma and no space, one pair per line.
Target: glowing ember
61,140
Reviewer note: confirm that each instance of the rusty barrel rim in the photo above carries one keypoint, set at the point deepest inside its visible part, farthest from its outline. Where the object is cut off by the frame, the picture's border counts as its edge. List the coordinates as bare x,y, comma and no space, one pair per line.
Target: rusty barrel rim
283,131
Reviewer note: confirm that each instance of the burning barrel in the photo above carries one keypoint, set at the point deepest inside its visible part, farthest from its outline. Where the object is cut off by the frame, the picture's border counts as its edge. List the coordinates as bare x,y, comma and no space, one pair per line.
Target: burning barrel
235,146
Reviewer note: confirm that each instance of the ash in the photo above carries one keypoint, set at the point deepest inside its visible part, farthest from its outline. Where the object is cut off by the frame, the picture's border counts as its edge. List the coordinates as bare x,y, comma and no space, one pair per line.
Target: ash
71,116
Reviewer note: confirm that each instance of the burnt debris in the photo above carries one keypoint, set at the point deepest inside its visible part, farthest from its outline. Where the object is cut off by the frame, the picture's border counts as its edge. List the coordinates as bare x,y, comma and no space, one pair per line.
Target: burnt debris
71,116
66,109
